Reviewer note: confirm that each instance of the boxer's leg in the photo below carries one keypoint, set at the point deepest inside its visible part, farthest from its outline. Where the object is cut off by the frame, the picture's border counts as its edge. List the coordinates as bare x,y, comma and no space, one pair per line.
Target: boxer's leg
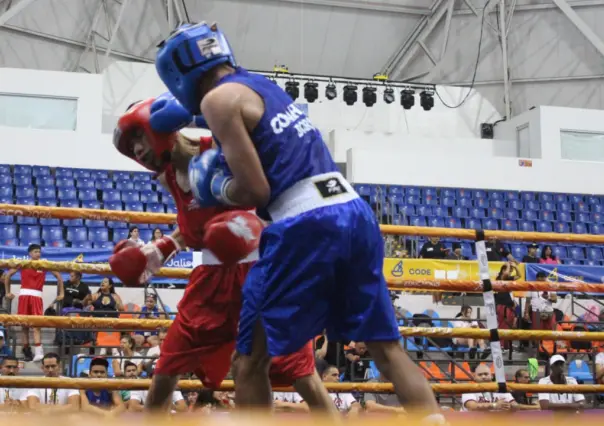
160,393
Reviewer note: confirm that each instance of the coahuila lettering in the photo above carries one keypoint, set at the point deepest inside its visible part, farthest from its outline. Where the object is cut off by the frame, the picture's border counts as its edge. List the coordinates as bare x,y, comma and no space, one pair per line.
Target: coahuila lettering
283,120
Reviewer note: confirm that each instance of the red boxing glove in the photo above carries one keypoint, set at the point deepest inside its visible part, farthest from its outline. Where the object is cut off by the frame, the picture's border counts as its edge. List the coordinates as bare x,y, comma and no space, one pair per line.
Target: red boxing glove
135,265
232,236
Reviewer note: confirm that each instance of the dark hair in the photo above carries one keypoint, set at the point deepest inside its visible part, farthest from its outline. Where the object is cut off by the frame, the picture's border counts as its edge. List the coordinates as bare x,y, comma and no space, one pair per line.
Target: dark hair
129,364
33,247
112,289
464,308
131,105
50,355
8,358
326,368
153,233
99,361
551,256
129,338
132,229
78,274
519,373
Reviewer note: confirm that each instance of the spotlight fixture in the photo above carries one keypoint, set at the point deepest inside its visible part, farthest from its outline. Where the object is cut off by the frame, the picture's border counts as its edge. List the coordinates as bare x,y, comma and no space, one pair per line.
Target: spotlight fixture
369,96
350,94
426,100
292,89
407,98
311,91
389,95
331,92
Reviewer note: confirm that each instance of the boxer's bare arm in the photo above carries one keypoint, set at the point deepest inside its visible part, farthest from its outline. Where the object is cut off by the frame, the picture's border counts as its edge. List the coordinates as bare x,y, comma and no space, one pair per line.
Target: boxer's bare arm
176,233
232,112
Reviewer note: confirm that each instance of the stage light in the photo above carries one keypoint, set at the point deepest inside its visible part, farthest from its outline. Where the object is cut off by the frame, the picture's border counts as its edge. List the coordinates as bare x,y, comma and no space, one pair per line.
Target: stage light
350,94
331,92
389,95
407,98
311,91
292,89
369,96
426,100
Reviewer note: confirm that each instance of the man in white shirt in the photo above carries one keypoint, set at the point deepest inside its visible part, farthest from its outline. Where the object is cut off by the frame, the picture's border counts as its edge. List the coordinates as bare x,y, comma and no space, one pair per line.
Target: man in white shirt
541,303
53,400
560,401
11,399
289,402
487,401
138,398
344,402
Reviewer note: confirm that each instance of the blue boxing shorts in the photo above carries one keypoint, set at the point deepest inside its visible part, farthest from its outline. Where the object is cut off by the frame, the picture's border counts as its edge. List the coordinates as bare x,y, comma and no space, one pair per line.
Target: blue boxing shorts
320,269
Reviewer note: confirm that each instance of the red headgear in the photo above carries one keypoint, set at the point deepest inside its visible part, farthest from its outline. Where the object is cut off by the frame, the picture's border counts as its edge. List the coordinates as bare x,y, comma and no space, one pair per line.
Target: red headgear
135,119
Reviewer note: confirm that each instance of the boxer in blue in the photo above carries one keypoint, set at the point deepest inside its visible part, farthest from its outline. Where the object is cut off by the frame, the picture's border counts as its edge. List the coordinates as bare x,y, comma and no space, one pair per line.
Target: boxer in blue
321,258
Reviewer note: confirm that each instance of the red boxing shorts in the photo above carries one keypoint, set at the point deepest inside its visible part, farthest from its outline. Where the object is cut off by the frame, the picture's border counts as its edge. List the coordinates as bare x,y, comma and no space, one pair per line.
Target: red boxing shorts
30,305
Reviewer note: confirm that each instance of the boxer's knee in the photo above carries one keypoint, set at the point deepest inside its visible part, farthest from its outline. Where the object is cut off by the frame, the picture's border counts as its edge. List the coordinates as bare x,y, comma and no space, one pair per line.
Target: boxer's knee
250,366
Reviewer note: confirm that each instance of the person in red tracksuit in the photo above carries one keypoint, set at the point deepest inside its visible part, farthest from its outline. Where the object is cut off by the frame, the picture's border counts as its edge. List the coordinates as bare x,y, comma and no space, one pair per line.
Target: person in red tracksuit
30,299
202,336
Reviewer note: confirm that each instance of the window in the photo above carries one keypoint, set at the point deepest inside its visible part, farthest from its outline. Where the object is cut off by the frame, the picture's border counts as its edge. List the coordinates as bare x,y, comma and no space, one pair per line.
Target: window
523,141
38,112
582,146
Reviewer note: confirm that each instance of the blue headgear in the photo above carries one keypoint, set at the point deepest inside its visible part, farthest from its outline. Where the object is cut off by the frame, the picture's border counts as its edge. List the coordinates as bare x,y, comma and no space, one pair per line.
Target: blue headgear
186,56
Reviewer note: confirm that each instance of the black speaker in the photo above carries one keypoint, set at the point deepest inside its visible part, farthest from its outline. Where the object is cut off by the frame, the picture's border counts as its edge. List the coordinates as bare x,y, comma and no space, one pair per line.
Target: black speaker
486,131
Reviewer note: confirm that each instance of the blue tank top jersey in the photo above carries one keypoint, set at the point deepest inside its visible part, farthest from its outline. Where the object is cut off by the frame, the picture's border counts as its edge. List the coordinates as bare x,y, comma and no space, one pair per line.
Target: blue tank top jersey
289,146
104,399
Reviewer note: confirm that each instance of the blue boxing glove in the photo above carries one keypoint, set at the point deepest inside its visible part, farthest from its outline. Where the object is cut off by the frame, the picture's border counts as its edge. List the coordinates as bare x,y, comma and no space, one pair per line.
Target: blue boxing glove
209,180
168,115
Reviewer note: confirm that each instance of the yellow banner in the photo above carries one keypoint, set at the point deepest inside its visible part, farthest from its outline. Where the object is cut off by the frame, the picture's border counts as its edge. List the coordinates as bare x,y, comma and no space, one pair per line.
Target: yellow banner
427,269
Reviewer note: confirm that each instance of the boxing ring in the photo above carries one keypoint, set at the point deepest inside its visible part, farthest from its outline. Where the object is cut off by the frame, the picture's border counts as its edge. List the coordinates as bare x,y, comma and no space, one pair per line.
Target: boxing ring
484,286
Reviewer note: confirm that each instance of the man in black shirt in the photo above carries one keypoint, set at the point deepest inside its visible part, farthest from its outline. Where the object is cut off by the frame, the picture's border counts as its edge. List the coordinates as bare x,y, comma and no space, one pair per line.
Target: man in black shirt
531,257
77,294
496,251
433,249
523,400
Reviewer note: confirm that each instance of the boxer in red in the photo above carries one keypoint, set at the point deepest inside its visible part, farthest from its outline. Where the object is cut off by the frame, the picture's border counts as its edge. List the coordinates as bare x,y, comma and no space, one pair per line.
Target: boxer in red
202,337
30,299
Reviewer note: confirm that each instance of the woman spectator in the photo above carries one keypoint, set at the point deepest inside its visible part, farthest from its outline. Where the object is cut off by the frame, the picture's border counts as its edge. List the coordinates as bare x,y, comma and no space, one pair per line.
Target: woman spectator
134,236
124,354
157,234
505,305
107,300
150,311
547,256
464,320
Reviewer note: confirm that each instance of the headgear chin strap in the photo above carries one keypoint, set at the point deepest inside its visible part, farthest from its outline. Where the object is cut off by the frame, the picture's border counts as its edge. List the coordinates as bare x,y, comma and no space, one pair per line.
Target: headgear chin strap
137,119
186,56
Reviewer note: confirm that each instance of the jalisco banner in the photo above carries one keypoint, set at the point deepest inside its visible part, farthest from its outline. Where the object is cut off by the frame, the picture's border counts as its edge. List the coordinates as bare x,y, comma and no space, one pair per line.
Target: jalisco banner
567,273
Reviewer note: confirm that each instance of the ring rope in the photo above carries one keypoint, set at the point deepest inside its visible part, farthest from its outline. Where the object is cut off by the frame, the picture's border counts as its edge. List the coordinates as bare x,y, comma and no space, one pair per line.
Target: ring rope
229,385
466,286
168,219
150,324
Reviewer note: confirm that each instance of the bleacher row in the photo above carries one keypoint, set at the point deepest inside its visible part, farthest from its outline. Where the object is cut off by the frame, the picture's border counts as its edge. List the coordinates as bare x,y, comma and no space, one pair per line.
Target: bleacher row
95,189
494,210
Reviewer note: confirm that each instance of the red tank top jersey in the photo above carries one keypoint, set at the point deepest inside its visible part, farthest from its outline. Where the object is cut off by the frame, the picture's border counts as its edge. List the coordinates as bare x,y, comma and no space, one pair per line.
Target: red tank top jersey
32,279
190,217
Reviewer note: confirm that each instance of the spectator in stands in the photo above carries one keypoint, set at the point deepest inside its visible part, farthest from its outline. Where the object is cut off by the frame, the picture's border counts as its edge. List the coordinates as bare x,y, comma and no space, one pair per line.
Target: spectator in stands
497,251
130,372
487,401
53,401
524,401
531,256
102,403
2,289
560,401
125,354
11,399
547,256
540,310
5,351
382,403
107,300
30,299
157,234
433,249
599,360
356,361
344,402
289,402
456,253
153,353
464,320
77,293
192,401
505,305
138,398
151,310
134,236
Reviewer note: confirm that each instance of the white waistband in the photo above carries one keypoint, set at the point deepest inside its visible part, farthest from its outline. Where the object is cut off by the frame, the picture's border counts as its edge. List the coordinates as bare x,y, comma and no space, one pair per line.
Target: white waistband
209,258
30,292
322,190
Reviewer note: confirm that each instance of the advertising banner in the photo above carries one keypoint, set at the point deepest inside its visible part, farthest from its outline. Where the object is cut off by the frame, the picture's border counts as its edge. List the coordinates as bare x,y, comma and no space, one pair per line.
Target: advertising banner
567,273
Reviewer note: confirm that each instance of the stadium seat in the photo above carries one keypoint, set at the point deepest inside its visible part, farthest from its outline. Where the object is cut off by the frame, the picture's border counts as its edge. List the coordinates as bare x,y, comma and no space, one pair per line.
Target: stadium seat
594,253
27,201
594,208
8,232
73,222
393,190
413,192
414,199
490,224
22,170
473,223
546,215
576,253
478,213
544,226
440,211
498,204
91,204
75,234
69,203
518,251
121,176
24,192
4,169
85,183
529,214
24,220
46,193
596,229
6,220
423,210
116,225
430,200
63,172
146,235
579,228
597,217
130,196
494,213
437,222
511,214
561,227
460,212
141,176
564,206
6,191
478,194
149,197
52,233
64,194
564,216
111,195
134,207
20,180
417,221
144,186
453,222
87,195
560,252
579,369
47,203
593,199
29,233
124,185
509,225
56,243
6,180
103,245
397,219
120,234
363,190
98,235
465,202
527,196
448,201
94,223
81,173
81,244
583,217
155,208
495,195
65,182
515,204
527,226
171,208
103,184
532,205
114,205
50,222
581,207
99,174
45,181
483,203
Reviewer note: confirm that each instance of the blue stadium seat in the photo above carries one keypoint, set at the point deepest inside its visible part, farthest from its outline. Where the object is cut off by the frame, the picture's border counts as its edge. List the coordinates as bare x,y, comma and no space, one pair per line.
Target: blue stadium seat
14,242
111,195
495,195
560,252
423,210
430,200
149,197
22,170
141,177
490,224
518,251
121,176
73,222
463,193
363,189
593,199
4,169
560,198
532,205
473,224
583,217
495,213
103,245
579,369
448,192
130,196
65,194
579,228
453,222
594,253
6,220
69,203
6,200
124,185
6,180
120,234
25,192
394,199
527,226
47,203
50,222
465,202
548,205
134,207
78,233
26,201
85,183
46,193
478,213
29,233
577,253
81,173
8,232
460,212
581,207
87,195
52,233
103,184
511,195
6,191
24,220
510,214
590,262
170,208
20,180
144,186
45,181
63,172
65,182
413,191
417,221
437,222
564,217
509,225
527,196
483,203
398,219
146,235
576,198
440,211
155,208
414,199
432,192
94,223
448,202
99,174
529,214
406,209
564,206
478,194
81,244
594,208
515,204
596,229
546,215
561,227
56,243
498,203
91,204
98,234
116,225
166,228
544,226
114,205
392,190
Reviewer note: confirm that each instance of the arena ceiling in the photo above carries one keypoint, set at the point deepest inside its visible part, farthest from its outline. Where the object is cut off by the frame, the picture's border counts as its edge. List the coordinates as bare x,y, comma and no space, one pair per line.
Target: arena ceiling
436,41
